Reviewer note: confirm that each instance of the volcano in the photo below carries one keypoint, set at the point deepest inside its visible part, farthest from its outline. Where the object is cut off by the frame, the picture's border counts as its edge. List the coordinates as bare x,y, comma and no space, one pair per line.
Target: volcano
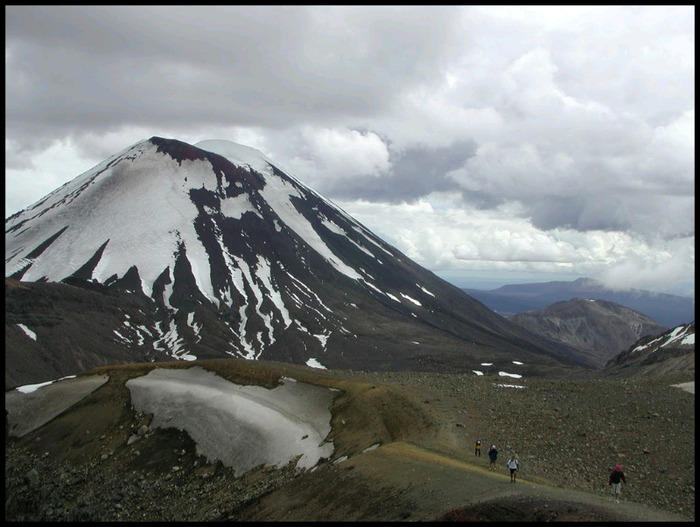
172,251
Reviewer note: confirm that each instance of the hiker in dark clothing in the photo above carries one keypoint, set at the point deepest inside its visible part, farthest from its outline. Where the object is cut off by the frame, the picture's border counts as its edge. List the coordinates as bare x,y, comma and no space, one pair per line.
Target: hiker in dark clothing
493,456
615,481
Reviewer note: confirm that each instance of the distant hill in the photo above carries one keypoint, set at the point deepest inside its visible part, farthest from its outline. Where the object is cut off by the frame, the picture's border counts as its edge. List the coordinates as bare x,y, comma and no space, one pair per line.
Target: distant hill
509,300
598,328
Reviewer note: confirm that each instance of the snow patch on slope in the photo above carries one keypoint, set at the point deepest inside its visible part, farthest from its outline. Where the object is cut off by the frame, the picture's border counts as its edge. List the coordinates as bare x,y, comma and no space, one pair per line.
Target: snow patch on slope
241,426
278,193
681,335
27,331
119,188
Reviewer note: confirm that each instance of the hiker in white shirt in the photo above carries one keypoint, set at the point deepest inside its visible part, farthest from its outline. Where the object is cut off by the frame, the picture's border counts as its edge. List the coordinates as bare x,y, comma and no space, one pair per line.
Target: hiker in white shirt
513,466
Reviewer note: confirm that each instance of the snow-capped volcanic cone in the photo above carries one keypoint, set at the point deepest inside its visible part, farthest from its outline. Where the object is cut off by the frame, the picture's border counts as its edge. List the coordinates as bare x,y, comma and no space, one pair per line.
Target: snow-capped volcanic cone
234,257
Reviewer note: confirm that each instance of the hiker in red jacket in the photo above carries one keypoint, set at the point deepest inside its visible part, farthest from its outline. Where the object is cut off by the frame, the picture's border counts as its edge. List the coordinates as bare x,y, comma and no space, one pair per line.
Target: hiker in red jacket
615,481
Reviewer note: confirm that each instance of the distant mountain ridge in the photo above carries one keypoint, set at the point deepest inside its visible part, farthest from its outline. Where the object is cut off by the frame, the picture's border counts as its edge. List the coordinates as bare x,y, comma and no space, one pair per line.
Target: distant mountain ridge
172,251
508,300
599,328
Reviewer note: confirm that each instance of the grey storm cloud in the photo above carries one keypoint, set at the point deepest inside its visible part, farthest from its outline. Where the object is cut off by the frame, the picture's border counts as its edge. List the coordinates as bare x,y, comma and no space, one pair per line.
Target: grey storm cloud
415,172
252,65
508,122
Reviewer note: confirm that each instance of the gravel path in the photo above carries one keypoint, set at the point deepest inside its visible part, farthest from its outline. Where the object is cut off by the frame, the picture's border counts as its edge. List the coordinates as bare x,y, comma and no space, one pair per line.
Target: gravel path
572,433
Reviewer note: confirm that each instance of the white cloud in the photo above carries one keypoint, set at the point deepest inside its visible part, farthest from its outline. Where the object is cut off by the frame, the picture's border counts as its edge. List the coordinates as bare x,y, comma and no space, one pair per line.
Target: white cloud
346,153
655,269
442,235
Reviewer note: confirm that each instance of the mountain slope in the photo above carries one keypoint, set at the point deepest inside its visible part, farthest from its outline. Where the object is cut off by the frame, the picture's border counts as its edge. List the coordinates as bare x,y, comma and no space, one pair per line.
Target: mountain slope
668,310
598,328
668,353
212,251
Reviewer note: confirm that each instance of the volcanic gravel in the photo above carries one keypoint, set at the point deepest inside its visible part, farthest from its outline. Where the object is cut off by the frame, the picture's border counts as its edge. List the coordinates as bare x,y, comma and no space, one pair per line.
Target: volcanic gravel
568,433
571,433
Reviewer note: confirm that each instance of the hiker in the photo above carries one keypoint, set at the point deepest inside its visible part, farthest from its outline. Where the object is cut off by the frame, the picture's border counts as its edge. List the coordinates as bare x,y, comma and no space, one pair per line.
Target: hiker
615,481
477,448
493,455
512,464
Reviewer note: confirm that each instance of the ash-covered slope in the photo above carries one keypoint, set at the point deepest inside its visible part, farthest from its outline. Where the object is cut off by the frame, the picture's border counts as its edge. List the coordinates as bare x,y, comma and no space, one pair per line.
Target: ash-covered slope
598,328
234,257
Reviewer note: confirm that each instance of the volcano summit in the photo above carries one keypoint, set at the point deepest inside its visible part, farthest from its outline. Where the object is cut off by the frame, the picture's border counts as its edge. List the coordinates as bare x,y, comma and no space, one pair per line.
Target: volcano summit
172,251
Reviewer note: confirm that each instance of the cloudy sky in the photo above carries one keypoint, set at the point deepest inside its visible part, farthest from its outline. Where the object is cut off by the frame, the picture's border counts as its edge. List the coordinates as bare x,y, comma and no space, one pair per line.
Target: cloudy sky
492,144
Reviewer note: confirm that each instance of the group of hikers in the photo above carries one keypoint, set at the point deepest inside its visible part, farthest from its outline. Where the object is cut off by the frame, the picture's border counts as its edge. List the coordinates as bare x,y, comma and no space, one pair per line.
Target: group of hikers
615,480
512,463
